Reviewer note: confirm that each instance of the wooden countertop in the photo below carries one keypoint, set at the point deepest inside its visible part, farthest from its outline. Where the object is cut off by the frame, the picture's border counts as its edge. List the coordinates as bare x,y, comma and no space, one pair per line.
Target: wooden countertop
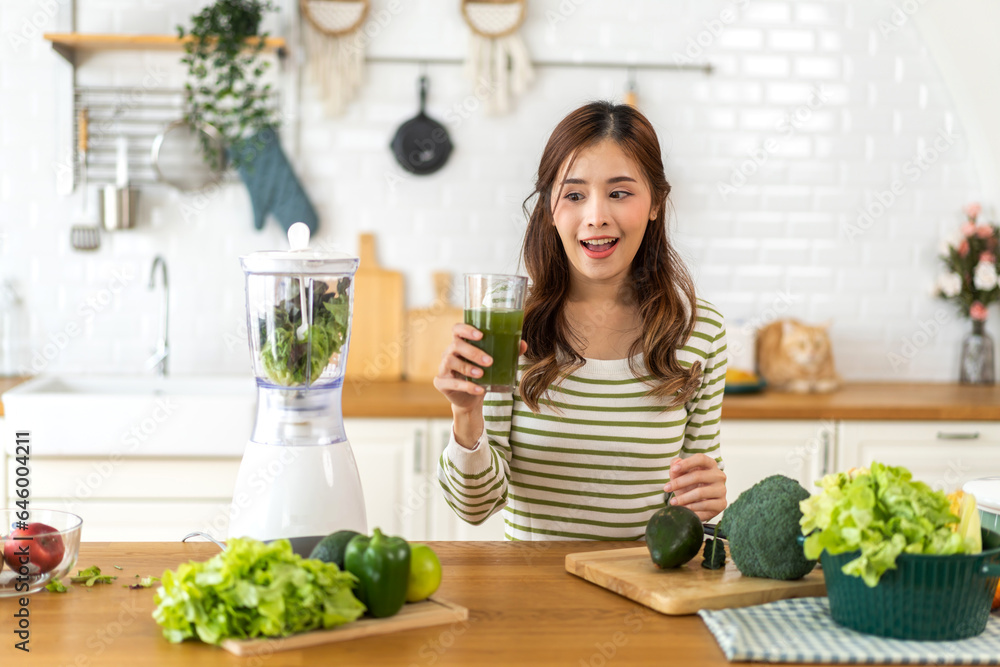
524,608
856,400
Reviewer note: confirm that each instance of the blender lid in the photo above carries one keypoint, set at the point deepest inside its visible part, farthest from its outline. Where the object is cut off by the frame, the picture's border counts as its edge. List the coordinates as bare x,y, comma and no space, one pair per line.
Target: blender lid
300,259
299,262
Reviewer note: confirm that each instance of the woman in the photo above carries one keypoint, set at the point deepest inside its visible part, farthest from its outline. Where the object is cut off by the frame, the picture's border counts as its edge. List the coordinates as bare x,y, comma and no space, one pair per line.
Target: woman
620,388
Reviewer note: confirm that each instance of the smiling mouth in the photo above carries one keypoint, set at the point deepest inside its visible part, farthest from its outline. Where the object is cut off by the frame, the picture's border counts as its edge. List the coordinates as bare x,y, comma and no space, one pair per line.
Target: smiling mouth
599,245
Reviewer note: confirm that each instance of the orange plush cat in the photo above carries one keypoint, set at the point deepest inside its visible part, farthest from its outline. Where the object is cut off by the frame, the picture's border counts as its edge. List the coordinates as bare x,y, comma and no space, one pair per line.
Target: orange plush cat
792,356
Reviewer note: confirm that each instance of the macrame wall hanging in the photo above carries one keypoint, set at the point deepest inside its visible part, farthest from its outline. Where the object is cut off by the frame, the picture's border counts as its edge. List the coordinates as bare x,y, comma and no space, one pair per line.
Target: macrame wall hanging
497,55
336,55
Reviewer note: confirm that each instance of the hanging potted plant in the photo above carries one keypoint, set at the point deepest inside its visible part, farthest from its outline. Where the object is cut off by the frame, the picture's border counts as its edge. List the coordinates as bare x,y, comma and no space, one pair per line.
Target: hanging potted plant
225,71
226,90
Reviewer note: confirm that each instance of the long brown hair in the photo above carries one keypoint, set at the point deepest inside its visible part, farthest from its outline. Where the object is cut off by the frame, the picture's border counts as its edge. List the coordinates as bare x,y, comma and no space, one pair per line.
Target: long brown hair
661,284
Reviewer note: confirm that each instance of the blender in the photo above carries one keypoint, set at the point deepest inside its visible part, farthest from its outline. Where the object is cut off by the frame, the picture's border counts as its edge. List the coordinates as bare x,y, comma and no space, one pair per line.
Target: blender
298,478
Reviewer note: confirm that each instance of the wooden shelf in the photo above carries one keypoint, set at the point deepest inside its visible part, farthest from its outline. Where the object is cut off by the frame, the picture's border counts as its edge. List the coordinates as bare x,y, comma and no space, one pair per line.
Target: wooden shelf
68,43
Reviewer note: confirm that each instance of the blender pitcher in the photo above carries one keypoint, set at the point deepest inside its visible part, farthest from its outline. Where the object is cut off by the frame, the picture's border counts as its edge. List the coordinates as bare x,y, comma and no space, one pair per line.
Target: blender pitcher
298,478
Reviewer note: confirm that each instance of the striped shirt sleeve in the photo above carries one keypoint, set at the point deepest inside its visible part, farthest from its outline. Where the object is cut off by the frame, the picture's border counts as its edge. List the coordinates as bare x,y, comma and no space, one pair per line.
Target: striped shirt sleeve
702,434
474,481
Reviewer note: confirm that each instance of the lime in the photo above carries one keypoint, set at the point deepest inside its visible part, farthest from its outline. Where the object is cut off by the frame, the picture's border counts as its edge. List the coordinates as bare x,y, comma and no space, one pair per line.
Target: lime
425,573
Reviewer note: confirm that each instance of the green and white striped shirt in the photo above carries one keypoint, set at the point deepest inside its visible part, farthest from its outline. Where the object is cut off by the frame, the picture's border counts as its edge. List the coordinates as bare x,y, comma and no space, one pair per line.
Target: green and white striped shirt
592,464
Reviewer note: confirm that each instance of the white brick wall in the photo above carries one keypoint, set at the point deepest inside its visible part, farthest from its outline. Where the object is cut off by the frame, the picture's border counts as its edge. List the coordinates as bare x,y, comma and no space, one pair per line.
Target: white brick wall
782,232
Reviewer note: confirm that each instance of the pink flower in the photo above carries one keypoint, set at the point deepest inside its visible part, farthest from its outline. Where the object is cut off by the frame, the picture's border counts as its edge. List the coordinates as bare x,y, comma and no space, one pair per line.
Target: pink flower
963,249
972,210
987,258
969,229
984,231
977,311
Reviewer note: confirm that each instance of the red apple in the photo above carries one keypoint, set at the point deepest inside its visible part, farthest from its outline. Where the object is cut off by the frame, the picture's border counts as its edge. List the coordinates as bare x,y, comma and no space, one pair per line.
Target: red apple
44,551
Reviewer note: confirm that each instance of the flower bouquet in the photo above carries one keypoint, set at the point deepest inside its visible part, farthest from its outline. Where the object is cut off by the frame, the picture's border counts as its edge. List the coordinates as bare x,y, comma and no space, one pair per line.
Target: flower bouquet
971,283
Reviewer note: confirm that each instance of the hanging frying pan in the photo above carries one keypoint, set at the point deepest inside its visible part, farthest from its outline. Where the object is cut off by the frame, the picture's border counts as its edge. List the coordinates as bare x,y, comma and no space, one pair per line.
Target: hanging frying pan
421,144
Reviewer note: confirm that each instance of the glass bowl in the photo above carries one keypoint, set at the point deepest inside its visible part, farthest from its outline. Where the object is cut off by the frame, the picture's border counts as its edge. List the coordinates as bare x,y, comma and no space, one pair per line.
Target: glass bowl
51,545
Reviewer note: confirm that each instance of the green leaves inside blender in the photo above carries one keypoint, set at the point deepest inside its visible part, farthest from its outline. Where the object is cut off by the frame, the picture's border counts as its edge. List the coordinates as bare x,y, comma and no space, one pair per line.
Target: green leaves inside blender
290,360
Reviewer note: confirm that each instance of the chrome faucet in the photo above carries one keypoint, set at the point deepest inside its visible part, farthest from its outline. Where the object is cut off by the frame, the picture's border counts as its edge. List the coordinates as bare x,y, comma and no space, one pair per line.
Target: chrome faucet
159,359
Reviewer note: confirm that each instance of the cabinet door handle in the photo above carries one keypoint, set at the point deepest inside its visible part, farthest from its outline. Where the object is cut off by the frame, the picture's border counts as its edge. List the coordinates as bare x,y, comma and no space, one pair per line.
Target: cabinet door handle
826,453
958,436
418,453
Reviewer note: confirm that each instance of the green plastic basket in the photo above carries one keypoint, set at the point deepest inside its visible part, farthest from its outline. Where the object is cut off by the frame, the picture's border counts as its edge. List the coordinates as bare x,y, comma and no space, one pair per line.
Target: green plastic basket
930,598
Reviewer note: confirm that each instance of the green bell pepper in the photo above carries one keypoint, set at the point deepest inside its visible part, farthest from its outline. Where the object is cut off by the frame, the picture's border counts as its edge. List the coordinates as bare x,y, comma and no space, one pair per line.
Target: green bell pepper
382,566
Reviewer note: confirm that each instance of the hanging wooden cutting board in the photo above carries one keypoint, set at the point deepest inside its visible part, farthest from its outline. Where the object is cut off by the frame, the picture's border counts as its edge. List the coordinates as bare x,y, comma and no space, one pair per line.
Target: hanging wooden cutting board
687,589
377,326
429,330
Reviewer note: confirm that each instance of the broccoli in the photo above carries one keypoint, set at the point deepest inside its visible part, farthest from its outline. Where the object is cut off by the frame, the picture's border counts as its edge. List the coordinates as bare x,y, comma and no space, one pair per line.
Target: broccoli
762,527
715,554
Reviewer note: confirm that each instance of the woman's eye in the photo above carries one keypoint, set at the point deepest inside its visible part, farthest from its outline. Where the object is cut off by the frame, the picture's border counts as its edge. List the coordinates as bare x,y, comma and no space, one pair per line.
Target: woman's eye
620,194
574,196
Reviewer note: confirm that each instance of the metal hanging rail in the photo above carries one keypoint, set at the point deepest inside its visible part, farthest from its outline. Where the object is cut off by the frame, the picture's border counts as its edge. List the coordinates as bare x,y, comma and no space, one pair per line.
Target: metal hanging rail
706,68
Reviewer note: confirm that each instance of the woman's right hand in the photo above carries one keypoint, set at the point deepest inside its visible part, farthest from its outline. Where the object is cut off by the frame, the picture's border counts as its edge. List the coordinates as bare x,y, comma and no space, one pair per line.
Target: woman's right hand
462,359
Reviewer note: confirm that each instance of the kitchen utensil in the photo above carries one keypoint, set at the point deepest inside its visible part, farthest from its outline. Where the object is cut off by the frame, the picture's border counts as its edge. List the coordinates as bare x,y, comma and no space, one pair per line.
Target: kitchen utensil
928,598
298,478
987,493
498,59
67,528
429,331
83,143
119,207
494,304
686,589
178,156
83,237
422,144
376,346
430,612
631,98
336,60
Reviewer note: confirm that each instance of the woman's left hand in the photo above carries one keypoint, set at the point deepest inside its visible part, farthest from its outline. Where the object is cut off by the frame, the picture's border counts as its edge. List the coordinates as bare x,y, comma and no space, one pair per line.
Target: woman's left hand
699,485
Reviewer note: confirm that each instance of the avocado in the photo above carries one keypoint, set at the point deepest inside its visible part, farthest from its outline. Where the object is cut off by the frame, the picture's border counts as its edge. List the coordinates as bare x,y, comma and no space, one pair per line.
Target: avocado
674,536
331,548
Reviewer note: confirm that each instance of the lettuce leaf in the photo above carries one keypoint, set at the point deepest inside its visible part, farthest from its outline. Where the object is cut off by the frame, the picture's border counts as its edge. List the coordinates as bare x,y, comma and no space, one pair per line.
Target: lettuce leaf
883,513
291,361
251,590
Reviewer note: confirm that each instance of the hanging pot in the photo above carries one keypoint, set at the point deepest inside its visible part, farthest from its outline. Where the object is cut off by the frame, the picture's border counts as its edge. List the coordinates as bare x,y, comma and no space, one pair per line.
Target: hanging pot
421,144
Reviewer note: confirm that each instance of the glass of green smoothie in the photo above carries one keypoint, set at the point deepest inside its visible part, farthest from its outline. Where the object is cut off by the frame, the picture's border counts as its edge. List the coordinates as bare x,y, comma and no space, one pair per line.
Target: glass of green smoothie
494,304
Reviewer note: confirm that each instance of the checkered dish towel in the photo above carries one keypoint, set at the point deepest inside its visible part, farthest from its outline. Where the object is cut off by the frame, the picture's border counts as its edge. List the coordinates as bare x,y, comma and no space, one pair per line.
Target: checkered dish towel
802,630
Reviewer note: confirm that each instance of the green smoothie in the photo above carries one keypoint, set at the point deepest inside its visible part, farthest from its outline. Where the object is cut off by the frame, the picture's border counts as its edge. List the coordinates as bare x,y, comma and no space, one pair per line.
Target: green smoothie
501,340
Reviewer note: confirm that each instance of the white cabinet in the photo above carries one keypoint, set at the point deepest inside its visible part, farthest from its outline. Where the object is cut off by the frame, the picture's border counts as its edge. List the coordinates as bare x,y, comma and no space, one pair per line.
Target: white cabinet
444,523
755,449
135,499
390,457
164,498
942,454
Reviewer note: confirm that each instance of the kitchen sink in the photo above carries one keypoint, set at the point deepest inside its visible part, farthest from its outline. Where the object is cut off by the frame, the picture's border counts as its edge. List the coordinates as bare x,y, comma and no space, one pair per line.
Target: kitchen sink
132,416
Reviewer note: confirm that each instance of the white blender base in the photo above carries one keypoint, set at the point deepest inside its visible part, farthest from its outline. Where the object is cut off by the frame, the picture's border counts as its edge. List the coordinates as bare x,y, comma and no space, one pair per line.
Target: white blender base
297,492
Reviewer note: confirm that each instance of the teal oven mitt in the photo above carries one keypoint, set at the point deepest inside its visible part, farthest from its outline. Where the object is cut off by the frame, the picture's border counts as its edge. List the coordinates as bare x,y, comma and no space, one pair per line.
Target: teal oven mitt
273,186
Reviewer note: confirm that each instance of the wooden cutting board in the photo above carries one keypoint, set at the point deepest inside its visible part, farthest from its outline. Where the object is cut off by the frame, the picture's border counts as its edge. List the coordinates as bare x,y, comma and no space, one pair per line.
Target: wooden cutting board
429,331
688,589
377,326
414,615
